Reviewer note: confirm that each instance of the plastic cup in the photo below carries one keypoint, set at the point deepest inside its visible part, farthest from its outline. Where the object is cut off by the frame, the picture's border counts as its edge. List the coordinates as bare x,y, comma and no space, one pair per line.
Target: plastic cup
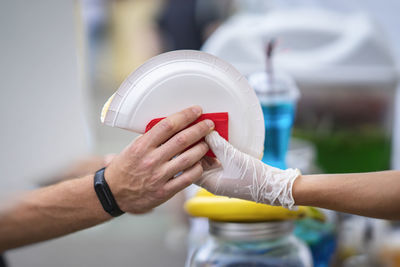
278,95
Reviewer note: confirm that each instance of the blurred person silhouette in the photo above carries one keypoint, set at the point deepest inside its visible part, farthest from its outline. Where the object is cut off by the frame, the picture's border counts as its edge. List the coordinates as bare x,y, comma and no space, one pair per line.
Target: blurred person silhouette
186,24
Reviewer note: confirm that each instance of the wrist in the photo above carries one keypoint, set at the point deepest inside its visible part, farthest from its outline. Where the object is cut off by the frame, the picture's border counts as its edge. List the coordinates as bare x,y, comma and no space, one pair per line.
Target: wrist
117,187
105,195
299,190
287,199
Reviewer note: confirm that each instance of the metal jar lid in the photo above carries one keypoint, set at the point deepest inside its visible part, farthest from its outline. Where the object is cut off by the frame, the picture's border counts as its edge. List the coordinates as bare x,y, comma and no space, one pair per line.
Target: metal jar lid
250,231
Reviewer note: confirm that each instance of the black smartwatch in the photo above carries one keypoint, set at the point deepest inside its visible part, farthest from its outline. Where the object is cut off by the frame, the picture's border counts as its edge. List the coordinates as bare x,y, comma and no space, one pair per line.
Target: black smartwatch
105,195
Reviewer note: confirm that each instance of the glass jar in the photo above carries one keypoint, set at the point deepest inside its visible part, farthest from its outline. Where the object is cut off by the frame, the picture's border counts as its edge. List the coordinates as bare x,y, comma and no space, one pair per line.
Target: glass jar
263,244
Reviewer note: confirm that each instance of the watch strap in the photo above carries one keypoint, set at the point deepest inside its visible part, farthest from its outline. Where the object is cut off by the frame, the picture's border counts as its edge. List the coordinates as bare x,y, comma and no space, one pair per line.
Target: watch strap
105,195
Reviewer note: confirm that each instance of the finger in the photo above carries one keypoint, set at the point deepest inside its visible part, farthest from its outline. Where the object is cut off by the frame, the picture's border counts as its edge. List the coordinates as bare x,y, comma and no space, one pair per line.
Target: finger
212,170
209,163
217,144
184,139
187,159
187,178
211,180
224,151
169,126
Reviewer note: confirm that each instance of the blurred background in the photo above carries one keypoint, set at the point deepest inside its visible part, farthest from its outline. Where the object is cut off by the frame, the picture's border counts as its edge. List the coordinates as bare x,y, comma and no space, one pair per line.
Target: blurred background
61,60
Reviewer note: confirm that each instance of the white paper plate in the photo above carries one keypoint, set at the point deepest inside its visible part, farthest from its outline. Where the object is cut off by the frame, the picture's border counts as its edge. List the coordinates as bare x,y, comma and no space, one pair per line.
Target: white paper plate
175,80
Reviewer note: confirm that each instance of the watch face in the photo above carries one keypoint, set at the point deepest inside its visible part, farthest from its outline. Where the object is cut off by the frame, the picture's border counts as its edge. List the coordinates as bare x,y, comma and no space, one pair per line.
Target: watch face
176,80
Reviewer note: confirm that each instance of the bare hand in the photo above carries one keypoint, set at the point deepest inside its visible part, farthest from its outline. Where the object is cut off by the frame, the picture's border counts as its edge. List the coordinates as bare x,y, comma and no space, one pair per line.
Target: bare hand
141,177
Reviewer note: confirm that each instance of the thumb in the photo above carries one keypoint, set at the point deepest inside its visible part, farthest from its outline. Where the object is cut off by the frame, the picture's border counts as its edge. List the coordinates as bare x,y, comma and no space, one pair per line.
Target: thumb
218,145
233,161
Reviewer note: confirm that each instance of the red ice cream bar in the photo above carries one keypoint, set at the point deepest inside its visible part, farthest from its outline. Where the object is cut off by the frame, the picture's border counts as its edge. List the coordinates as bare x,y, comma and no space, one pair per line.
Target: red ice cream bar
220,120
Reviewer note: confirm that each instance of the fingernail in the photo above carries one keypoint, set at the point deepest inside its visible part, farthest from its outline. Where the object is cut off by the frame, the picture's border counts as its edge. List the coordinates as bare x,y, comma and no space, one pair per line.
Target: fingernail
210,123
197,110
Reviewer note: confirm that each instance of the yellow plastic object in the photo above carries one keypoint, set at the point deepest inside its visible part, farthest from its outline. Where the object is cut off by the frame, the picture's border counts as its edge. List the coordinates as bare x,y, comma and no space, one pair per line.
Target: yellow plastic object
105,108
315,214
219,208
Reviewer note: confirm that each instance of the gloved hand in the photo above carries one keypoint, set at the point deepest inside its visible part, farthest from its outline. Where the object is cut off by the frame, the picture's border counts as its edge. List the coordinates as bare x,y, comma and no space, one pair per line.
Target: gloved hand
236,174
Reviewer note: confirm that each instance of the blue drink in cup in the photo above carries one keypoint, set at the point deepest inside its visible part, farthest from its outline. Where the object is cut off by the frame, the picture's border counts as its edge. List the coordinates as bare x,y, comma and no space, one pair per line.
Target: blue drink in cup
278,97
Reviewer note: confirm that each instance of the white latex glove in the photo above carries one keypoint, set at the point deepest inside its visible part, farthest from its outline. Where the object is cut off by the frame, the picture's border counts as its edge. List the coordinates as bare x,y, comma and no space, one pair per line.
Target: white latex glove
242,176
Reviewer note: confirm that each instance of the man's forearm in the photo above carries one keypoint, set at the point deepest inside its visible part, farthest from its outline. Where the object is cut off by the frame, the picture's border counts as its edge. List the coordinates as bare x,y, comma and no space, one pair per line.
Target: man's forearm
140,178
51,212
375,194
